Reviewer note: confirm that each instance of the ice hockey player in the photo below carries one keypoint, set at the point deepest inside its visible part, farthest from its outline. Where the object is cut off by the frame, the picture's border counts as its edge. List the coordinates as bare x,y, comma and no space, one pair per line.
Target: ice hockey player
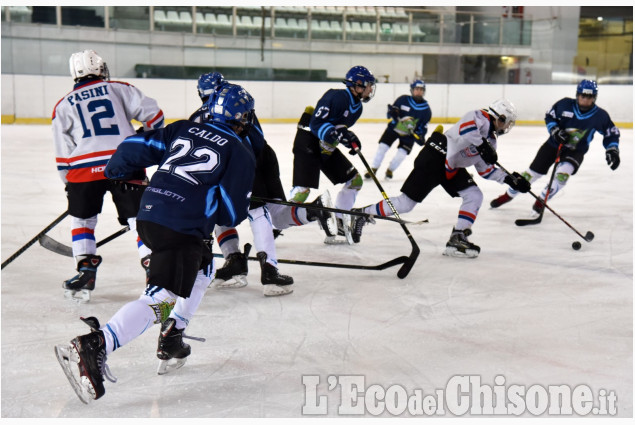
410,116
443,161
88,125
204,177
319,132
262,217
571,125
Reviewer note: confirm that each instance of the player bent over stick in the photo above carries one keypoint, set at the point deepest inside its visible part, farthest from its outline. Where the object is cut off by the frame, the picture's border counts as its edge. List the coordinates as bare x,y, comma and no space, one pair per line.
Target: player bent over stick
443,161
204,178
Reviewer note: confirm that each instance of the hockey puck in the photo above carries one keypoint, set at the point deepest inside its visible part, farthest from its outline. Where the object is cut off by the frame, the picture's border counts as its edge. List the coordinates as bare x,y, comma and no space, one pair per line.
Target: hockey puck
576,245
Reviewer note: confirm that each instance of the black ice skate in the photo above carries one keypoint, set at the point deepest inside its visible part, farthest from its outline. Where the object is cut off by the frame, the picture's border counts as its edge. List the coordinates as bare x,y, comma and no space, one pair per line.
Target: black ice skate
233,274
538,207
343,229
357,224
171,347
459,246
367,175
389,174
83,283
89,353
326,219
501,200
274,283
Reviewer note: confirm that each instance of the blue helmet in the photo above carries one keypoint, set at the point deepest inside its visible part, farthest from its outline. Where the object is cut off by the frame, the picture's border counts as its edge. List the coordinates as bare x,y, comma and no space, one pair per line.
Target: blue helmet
231,105
208,83
417,84
360,76
587,87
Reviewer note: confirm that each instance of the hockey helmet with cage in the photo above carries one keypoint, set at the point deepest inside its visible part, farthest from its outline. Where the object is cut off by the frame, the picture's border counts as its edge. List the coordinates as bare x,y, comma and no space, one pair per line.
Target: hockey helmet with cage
588,88
417,84
208,83
360,76
232,105
505,113
88,63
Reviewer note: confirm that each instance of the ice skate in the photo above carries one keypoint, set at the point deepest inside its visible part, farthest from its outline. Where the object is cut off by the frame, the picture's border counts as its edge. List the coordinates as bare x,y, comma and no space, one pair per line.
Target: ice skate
274,283
88,352
537,208
367,175
81,285
459,246
389,174
171,349
233,274
501,200
357,224
326,219
343,229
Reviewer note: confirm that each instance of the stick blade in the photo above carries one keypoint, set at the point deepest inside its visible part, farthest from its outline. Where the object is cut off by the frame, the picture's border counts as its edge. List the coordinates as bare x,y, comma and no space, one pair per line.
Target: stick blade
53,245
528,221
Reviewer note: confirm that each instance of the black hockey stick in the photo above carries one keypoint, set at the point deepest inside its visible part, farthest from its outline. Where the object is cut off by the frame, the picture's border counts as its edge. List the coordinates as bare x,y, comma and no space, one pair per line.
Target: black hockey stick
410,261
393,262
335,210
65,250
537,220
589,235
35,239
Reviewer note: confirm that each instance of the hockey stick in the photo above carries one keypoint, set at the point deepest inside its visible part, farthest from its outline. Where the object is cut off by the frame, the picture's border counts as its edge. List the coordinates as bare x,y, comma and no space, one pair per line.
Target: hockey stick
537,220
335,210
35,239
393,262
589,235
65,250
410,261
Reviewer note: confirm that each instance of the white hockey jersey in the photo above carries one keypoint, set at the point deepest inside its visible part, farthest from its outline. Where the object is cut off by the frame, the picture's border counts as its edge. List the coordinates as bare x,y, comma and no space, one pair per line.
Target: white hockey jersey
92,120
463,138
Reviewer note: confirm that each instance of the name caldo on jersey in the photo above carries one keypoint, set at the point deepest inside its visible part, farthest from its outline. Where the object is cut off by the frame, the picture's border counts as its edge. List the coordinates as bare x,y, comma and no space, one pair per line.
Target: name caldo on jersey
88,94
208,135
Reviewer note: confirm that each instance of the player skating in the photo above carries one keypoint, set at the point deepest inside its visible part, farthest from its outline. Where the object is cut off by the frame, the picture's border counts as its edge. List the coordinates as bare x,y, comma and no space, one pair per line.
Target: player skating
443,161
88,125
204,177
410,116
320,131
571,124
262,217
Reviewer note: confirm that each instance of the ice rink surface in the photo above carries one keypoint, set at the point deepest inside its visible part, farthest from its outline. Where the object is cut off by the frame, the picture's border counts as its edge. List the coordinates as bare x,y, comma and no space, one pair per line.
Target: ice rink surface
529,308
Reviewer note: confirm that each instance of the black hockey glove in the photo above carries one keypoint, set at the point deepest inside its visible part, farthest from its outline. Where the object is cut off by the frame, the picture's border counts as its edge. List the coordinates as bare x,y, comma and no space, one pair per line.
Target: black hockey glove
419,134
518,182
487,152
559,135
613,157
393,112
345,137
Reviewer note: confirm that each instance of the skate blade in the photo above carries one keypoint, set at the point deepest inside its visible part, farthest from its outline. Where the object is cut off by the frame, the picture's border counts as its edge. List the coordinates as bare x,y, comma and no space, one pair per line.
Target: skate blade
453,252
167,366
238,281
348,232
81,296
68,358
331,222
332,240
272,290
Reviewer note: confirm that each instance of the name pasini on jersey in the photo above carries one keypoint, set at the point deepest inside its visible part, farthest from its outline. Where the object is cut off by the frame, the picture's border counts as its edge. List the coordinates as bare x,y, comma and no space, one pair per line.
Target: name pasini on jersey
204,177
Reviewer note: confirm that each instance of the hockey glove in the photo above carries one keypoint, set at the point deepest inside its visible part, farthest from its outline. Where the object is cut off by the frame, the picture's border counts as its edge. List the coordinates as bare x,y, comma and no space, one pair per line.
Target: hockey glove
393,112
487,152
559,135
613,157
419,134
518,182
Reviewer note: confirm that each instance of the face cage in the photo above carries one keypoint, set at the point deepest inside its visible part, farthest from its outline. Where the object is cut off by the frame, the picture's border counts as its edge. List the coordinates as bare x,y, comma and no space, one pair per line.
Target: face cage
373,86
507,126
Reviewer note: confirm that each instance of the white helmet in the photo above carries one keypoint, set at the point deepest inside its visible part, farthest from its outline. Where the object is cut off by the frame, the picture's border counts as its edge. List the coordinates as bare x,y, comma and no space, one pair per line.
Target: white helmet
88,62
505,112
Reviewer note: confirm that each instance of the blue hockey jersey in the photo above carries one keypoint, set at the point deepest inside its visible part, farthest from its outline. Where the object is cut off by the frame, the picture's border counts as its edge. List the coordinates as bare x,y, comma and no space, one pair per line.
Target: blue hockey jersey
204,177
337,107
581,126
413,117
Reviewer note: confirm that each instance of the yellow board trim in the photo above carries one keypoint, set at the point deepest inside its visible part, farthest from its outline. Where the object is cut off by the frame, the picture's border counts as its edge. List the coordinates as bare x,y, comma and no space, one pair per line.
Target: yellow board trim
11,119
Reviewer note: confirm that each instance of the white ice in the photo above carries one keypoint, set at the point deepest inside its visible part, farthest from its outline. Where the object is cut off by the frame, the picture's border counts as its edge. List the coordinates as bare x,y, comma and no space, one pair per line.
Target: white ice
529,308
